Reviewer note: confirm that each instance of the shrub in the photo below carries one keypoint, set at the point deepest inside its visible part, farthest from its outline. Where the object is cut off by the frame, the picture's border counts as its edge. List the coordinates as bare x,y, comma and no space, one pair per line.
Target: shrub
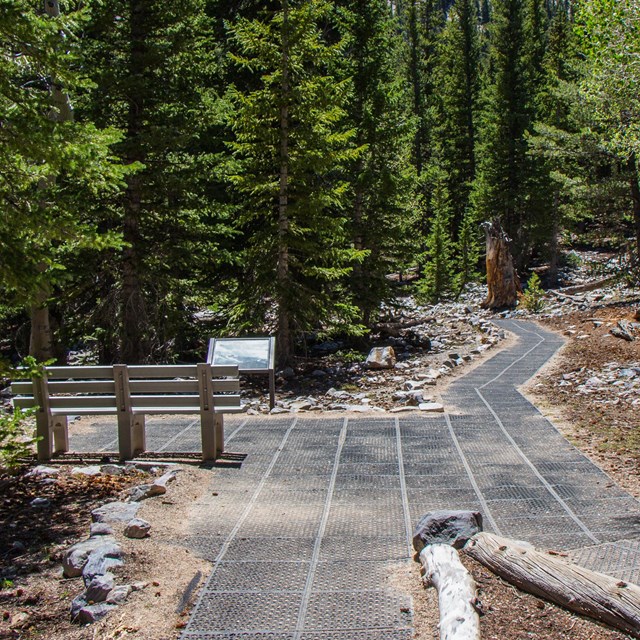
16,437
533,298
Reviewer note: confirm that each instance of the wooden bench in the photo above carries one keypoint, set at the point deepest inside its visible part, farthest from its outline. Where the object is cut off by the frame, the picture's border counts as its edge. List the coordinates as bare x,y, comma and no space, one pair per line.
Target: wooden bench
130,393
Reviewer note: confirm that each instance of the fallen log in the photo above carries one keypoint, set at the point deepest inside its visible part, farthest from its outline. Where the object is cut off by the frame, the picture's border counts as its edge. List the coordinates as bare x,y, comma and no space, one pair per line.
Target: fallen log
592,594
457,592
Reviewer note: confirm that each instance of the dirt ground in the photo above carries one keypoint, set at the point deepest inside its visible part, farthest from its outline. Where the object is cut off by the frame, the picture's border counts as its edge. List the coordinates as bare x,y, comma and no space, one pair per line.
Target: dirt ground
35,602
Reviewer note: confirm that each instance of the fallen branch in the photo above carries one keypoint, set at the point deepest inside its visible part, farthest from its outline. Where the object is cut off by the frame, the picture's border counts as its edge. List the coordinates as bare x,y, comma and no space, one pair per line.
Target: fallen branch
457,593
589,593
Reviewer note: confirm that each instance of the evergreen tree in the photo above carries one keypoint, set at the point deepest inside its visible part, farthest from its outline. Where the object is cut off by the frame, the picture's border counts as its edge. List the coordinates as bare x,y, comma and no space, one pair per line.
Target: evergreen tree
155,68
507,186
381,178
289,144
457,109
52,163
438,272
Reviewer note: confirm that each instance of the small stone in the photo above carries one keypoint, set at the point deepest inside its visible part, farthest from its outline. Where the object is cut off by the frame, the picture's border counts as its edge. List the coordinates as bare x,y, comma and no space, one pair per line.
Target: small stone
112,470
403,409
381,358
434,407
278,410
18,547
166,478
40,503
412,385
119,594
144,491
319,373
137,528
42,470
86,471
92,613
19,620
288,373
303,405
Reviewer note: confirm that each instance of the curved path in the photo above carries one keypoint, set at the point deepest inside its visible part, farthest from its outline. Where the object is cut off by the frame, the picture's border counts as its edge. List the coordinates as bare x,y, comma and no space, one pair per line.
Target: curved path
305,534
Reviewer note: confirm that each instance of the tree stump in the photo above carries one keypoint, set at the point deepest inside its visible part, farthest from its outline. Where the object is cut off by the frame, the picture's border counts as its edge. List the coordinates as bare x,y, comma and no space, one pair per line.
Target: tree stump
502,281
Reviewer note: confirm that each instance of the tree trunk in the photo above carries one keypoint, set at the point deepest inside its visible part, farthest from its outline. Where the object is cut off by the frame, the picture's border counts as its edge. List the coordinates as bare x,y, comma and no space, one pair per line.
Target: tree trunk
284,342
502,281
457,592
41,337
40,340
133,348
586,592
635,194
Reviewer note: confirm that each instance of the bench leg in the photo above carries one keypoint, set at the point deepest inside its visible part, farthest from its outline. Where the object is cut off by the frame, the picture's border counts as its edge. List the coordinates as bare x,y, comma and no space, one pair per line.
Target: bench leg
44,433
125,435
61,434
139,437
208,434
219,421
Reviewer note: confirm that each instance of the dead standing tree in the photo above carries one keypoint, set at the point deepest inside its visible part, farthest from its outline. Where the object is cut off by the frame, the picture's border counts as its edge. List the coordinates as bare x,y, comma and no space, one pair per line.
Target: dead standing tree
502,280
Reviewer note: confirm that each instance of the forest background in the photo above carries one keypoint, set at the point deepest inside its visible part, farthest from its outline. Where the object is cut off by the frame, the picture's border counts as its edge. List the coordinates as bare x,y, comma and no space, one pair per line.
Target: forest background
171,171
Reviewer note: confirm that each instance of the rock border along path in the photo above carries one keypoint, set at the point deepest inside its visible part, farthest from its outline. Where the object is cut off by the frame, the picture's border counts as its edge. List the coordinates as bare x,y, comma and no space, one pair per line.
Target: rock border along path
305,535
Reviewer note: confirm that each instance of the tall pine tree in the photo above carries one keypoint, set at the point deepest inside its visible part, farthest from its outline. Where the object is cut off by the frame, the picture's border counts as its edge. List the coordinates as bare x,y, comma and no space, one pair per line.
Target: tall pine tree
290,143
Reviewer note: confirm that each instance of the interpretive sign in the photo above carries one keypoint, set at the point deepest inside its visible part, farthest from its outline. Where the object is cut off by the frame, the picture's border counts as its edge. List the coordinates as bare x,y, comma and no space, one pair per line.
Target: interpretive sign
252,355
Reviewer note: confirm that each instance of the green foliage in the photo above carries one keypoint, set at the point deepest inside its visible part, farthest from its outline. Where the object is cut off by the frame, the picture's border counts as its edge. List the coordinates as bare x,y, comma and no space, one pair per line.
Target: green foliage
381,180
16,436
438,269
533,298
290,143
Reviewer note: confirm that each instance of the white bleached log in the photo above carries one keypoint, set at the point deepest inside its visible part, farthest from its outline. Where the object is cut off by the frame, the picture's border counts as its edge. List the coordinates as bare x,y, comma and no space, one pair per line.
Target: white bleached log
589,593
456,592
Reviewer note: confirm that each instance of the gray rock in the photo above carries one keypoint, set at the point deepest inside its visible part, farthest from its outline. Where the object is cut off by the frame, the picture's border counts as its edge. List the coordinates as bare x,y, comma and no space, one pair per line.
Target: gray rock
99,588
112,470
166,478
86,471
76,557
412,385
434,407
144,491
288,373
119,594
100,529
91,613
446,527
404,409
137,528
115,512
42,470
40,503
381,358
277,410
101,559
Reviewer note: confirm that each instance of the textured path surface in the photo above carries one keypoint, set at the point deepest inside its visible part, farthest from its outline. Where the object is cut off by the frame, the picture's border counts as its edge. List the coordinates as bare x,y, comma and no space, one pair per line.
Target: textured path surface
305,534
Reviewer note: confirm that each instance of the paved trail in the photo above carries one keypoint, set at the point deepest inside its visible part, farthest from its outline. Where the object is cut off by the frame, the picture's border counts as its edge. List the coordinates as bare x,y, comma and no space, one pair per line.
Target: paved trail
304,535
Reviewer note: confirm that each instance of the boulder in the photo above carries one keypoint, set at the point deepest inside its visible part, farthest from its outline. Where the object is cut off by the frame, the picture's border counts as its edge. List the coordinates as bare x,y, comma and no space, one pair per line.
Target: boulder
100,529
381,358
144,491
90,613
446,527
119,594
76,556
137,528
101,559
99,588
115,512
